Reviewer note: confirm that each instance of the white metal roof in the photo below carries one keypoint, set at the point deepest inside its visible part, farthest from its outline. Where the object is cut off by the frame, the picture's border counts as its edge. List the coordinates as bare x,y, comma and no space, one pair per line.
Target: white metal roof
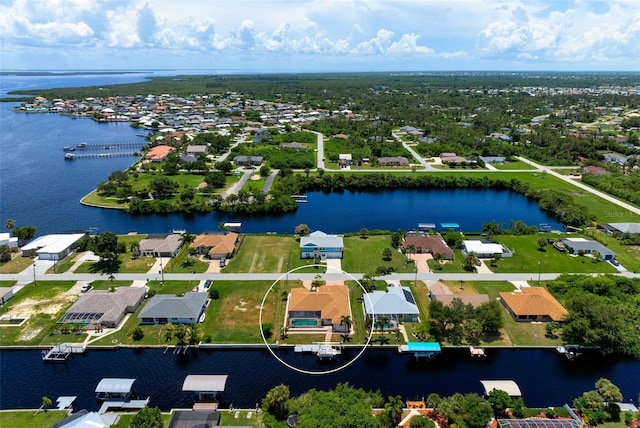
205,383
52,243
508,386
115,385
480,247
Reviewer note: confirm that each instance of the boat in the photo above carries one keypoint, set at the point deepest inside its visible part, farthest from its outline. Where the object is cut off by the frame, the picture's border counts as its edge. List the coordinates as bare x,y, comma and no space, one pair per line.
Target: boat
81,145
68,148
69,156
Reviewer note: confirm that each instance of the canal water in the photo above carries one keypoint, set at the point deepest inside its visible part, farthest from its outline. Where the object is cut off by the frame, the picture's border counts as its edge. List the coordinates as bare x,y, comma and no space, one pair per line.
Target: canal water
545,377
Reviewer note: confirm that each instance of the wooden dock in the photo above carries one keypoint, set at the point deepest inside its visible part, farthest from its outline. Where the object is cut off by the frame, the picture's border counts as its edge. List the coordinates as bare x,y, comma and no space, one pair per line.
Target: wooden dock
321,349
72,156
477,351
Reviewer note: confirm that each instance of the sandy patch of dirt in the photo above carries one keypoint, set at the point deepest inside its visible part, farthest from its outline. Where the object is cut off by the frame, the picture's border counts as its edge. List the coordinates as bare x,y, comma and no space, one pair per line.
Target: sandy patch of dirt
29,307
241,306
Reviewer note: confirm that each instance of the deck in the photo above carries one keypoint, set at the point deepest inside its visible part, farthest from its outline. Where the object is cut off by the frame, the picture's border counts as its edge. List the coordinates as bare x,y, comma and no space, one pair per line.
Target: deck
60,353
123,405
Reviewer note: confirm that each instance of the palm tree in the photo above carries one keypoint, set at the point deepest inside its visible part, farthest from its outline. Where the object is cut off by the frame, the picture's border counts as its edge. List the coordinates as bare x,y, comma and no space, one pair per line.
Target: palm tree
383,322
410,249
284,332
470,261
346,321
438,257
394,406
10,224
383,340
187,239
135,249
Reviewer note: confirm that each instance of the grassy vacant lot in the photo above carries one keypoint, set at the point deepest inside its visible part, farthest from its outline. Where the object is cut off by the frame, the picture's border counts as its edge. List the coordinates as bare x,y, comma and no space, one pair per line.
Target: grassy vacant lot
44,304
253,184
234,318
527,255
128,264
365,255
105,284
28,418
507,165
267,253
16,265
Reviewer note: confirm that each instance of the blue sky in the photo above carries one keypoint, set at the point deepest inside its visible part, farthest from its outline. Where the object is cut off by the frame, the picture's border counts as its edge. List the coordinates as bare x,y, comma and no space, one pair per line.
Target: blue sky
316,35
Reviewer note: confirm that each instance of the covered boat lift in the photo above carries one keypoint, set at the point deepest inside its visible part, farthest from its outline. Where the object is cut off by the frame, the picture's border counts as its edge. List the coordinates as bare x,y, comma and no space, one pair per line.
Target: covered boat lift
208,389
421,349
508,386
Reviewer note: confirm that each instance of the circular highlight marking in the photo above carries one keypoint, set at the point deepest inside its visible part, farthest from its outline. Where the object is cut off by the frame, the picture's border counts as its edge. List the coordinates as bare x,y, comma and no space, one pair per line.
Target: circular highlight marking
298,369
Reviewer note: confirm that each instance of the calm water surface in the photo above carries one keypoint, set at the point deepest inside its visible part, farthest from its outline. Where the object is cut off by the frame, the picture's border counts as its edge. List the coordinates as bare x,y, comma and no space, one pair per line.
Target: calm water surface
544,377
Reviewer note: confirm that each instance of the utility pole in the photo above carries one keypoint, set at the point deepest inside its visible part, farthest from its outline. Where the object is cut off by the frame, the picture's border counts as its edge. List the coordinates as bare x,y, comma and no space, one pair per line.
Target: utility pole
35,282
539,270
161,272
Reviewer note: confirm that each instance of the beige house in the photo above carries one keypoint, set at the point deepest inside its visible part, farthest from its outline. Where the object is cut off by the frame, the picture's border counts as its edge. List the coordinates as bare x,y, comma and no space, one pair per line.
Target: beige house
533,304
321,308
215,246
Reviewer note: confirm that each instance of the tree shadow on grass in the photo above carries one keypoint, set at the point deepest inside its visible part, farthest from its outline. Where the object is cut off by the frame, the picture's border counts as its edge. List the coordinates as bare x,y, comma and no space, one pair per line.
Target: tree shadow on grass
106,266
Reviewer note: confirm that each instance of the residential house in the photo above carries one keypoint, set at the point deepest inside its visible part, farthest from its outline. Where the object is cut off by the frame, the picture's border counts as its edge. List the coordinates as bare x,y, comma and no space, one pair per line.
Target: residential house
321,308
159,153
396,304
450,157
320,245
215,246
632,228
248,160
294,145
485,250
197,149
615,158
161,245
429,244
104,308
440,292
9,241
344,159
393,161
51,247
533,304
493,159
595,170
588,246
169,308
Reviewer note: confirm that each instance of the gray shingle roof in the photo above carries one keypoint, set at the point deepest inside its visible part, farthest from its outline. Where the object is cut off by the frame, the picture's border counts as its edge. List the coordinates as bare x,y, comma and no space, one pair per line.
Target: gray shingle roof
171,306
397,300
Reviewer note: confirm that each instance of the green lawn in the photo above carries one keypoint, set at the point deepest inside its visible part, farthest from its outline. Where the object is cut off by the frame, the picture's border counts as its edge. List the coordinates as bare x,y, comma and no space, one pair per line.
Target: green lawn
172,287
105,284
507,165
253,185
128,264
527,256
267,253
124,420
16,265
63,265
365,255
184,264
453,266
7,283
28,418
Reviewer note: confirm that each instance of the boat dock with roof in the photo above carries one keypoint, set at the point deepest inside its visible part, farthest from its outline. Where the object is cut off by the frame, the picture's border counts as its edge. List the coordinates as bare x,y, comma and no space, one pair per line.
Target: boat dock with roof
208,388
508,386
426,350
118,393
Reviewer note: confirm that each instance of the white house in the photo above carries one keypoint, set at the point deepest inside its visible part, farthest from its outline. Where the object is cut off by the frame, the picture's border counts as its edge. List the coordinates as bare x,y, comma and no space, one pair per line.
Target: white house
397,304
6,293
51,247
485,249
9,241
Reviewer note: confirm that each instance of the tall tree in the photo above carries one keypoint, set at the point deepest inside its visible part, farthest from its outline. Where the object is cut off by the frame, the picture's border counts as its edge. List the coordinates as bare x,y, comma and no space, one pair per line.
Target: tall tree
394,406
275,402
147,417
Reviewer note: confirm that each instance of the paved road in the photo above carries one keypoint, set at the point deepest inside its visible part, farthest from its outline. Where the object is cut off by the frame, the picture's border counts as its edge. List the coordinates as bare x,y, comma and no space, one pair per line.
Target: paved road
582,186
269,181
416,156
233,190
320,149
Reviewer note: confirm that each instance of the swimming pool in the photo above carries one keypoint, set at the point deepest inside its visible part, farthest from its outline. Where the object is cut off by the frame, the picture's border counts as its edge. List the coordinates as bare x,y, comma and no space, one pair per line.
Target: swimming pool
301,322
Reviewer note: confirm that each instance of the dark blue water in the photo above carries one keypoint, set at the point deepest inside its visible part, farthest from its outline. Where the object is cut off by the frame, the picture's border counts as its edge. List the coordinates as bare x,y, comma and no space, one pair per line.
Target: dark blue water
38,187
544,377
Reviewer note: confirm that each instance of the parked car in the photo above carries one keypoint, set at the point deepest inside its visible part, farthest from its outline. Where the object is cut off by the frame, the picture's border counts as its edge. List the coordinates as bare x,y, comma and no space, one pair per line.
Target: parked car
615,262
86,288
222,262
207,283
